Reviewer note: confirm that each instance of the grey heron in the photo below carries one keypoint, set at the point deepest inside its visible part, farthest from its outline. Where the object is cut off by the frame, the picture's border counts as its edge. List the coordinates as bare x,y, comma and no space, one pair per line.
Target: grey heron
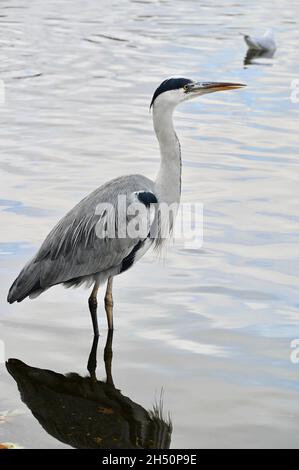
73,253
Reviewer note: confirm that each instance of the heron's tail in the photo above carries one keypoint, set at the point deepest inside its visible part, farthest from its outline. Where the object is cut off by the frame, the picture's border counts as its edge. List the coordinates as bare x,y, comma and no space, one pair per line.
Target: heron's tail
26,284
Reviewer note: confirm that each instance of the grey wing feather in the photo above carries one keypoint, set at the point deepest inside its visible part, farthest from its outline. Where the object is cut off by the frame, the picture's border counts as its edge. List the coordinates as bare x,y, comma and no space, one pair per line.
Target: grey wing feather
72,249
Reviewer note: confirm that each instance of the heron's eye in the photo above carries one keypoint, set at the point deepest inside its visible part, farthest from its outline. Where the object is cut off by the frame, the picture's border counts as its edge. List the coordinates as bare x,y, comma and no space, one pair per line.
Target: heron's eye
186,87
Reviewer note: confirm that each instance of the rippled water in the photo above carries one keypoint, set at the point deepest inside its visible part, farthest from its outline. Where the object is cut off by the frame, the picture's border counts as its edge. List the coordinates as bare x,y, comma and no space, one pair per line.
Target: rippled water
210,327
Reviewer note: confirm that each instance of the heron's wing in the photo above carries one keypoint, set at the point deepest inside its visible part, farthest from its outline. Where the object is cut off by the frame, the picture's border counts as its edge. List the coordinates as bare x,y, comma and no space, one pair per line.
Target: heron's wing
79,246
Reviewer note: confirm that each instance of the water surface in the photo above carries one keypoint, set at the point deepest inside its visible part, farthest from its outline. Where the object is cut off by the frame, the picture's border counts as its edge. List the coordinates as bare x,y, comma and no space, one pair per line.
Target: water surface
210,327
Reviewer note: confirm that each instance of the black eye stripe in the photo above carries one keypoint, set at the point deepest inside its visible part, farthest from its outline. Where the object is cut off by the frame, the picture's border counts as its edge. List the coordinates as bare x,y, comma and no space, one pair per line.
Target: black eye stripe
170,84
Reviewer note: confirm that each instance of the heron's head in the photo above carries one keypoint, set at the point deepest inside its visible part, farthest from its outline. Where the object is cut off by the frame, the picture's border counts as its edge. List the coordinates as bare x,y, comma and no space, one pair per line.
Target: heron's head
173,91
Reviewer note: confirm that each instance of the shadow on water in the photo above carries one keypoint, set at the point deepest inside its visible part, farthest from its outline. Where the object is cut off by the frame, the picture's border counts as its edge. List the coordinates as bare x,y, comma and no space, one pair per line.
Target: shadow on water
84,412
253,54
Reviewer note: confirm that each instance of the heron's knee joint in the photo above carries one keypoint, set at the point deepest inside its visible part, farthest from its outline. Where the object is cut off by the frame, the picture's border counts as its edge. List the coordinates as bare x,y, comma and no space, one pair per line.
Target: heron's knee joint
108,301
92,301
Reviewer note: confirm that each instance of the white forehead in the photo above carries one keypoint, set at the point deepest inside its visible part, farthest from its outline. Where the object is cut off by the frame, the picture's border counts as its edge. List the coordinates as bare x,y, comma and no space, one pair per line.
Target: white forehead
170,98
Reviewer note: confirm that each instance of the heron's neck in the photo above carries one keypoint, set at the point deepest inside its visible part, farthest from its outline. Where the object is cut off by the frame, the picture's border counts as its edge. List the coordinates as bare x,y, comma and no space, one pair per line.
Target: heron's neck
168,182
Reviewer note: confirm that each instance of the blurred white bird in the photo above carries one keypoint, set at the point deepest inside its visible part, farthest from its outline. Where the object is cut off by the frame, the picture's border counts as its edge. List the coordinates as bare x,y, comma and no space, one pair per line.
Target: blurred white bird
261,43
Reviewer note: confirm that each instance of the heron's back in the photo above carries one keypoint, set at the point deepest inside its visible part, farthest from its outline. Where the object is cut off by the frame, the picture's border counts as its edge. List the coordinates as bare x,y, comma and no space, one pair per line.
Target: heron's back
73,252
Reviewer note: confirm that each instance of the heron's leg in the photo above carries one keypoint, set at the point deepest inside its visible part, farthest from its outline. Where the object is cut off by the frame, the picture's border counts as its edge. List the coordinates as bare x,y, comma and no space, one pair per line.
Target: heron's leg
92,360
93,303
108,358
109,303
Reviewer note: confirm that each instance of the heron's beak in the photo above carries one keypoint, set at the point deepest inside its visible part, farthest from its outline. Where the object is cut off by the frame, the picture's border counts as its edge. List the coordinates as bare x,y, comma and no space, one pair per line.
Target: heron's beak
201,88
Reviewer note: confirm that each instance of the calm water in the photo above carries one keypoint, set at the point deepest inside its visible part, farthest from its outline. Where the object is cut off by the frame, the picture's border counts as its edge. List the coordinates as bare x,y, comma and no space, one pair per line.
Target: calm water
211,327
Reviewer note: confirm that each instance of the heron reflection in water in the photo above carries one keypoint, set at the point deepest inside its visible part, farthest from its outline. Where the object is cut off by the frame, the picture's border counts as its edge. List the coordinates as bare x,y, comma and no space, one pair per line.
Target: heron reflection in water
87,413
